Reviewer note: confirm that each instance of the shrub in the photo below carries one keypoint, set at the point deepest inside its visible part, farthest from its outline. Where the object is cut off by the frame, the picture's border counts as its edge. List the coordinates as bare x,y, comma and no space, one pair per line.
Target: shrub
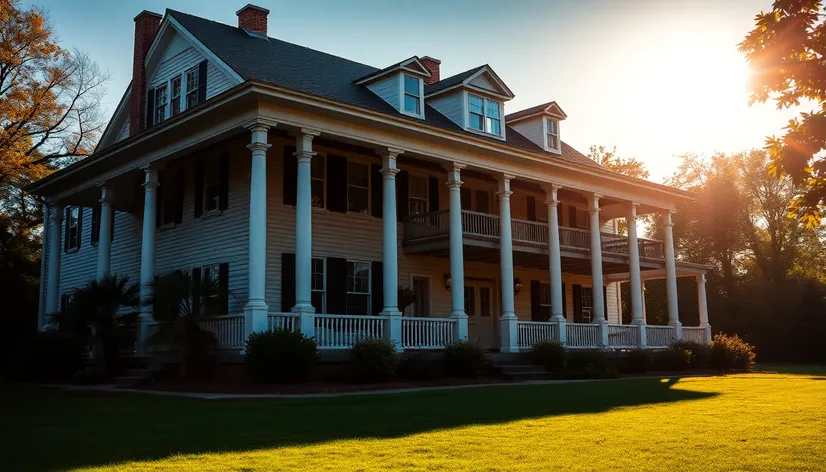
589,365
373,359
636,361
671,359
280,356
466,359
416,365
700,353
730,352
550,354
48,357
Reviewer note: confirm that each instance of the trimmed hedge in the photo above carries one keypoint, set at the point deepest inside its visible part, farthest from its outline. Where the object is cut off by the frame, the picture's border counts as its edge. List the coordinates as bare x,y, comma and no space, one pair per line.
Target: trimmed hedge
373,359
466,359
280,356
730,352
589,365
635,362
550,354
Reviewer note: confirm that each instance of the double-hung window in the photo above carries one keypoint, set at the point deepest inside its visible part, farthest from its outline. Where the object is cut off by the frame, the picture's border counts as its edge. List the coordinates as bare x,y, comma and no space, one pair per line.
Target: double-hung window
94,236
544,301
552,133
176,95
210,276
317,289
160,103
412,95
484,115
192,87
587,304
212,185
73,228
417,189
358,288
358,187
317,180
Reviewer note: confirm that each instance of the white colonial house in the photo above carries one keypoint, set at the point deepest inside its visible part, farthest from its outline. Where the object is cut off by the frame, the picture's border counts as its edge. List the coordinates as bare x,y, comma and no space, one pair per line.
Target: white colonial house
312,187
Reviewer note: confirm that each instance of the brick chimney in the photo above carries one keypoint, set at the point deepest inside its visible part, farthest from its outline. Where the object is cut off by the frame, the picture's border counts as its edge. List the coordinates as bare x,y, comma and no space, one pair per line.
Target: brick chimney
433,66
146,27
253,18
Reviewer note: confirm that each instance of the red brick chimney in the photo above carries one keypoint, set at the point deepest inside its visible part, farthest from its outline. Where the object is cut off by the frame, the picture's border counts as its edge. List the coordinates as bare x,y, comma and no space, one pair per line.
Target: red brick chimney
253,18
433,66
146,27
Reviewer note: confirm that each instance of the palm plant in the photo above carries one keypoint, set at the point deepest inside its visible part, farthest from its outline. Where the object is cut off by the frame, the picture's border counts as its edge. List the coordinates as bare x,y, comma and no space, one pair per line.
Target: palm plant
180,303
96,316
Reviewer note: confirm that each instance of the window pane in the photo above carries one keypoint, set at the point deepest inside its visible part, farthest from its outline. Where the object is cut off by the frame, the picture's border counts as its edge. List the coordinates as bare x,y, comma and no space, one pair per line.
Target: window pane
357,200
212,196
465,195
168,211
476,122
475,104
317,299
492,109
317,167
317,191
357,174
418,206
484,301
551,126
318,274
358,304
494,126
411,104
411,85
470,301
482,201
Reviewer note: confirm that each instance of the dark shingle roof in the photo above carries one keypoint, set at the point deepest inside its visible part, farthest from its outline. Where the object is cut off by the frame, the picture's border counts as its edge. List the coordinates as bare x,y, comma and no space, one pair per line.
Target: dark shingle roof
527,111
451,81
325,75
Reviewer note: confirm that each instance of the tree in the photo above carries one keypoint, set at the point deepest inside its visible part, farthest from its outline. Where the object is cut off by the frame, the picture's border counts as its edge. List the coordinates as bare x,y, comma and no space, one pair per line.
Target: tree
625,166
785,50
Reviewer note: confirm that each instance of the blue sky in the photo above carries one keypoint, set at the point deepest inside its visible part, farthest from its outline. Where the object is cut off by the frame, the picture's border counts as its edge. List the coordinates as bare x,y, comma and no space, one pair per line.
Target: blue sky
654,78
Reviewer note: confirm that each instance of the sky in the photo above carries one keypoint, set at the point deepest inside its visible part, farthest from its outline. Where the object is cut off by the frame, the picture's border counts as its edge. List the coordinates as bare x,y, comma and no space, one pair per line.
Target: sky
655,78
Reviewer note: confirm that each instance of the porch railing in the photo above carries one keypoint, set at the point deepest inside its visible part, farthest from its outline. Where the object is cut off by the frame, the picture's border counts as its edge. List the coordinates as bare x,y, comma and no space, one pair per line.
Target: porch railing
229,330
427,333
584,335
623,336
659,336
287,321
342,331
480,224
694,334
532,332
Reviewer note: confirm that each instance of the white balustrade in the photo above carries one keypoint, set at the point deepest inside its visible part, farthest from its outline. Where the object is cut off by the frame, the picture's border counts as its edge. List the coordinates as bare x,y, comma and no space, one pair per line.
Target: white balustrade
529,231
427,225
532,332
229,330
286,321
427,333
614,243
480,224
342,331
694,334
575,237
623,336
583,335
659,336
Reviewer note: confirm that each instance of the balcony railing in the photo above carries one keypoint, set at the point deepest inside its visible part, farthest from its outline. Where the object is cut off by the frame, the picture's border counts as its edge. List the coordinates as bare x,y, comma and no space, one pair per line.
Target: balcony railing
483,225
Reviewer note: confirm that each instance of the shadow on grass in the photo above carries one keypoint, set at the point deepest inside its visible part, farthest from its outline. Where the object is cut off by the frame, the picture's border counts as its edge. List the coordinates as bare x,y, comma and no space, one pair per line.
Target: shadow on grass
54,431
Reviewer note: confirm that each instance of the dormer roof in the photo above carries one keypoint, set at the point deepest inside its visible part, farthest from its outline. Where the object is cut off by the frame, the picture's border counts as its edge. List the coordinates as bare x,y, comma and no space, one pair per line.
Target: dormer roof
551,108
480,79
412,65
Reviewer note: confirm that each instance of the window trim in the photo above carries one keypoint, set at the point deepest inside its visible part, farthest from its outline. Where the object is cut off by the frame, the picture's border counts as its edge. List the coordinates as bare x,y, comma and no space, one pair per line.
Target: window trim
410,197
195,71
323,157
323,308
206,268
155,91
429,279
403,93
216,161
546,127
369,292
172,99
367,212
545,306
68,246
485,102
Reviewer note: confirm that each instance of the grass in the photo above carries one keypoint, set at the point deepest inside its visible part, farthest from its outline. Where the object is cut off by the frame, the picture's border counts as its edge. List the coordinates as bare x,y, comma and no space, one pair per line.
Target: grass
761,421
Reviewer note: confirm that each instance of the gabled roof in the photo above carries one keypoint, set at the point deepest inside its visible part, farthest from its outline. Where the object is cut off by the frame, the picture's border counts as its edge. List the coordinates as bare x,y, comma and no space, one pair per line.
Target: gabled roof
465,78
413,64
550,108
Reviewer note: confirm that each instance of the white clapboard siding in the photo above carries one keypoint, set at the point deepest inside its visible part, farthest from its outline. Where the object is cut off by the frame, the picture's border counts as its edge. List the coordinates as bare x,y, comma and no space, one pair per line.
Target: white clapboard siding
451,106
388,90
217,80
533,129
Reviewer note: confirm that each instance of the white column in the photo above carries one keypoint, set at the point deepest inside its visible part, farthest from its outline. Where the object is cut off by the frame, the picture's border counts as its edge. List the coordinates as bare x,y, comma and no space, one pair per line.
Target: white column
55,235
555,259
597,282
390,246
105,236
637,310
304,232
507,321
255,311
671,276
644,314
147,253
702,305
457,269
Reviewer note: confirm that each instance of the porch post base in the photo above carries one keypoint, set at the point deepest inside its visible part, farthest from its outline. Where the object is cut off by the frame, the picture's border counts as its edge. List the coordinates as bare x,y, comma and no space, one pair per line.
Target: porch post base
603,331
393,328
508,332
562,326
255,318
707,333
460,332
306,318
678,330
142,333
643,337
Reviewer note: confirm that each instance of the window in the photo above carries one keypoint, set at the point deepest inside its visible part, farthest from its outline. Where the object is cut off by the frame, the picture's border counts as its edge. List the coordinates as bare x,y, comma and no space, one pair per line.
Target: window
544,301
475,200
176,96
73,228
470,300
317,176
358,288
358,190
212,186
583,219
94,235
318,285
412,97
160,103
484,115
587,304
210,276
482,201
484,301
421,289
417,191
192,87
552,133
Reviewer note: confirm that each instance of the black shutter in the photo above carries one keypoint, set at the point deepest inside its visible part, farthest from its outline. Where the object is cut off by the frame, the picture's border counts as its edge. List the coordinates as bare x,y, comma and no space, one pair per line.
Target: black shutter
605,300
199,189
159,200
223,288
572,216
79,226
179,196
531,208
67,212
536,308
337,186
433,194
564,303
223,166
336,285
287,281
402,195
94,234
150,108
577,303
290,176
202,81
196,290
377,286
376,190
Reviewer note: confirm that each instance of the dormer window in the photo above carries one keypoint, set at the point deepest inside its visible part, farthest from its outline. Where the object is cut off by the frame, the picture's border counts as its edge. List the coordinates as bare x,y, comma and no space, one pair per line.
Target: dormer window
412,95
552,134
484,115
192,87
160,103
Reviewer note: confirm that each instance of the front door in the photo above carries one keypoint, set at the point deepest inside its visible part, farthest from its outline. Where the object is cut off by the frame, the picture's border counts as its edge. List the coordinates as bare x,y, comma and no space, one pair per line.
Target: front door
480,316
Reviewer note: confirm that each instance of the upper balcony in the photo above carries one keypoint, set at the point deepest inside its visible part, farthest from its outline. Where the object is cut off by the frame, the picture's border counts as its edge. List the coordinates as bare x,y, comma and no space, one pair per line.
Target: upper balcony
428,234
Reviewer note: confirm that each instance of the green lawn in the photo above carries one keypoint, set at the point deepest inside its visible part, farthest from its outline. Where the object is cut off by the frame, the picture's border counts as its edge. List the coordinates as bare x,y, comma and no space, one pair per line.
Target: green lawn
744,422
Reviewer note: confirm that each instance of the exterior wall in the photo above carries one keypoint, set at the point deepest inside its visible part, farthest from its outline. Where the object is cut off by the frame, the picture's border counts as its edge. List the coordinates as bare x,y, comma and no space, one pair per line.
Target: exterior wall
176,65
451,105
123,133
388,90
532,129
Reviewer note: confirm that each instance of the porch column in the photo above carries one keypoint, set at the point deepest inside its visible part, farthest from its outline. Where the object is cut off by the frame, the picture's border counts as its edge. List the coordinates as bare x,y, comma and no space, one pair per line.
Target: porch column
147,254
390,246
457,268
702,304
255,311
637,310
105,235
304,232
597,282
644,314
671,276
54,234
508,321
555,260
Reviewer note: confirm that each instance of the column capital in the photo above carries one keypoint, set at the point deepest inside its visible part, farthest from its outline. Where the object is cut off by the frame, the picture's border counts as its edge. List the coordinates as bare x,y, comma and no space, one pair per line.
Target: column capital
505,185
551,193
151,181
258,146
700,278
309,133
259,123
105,194
593,203
390,152
388,161
454,173
666,217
